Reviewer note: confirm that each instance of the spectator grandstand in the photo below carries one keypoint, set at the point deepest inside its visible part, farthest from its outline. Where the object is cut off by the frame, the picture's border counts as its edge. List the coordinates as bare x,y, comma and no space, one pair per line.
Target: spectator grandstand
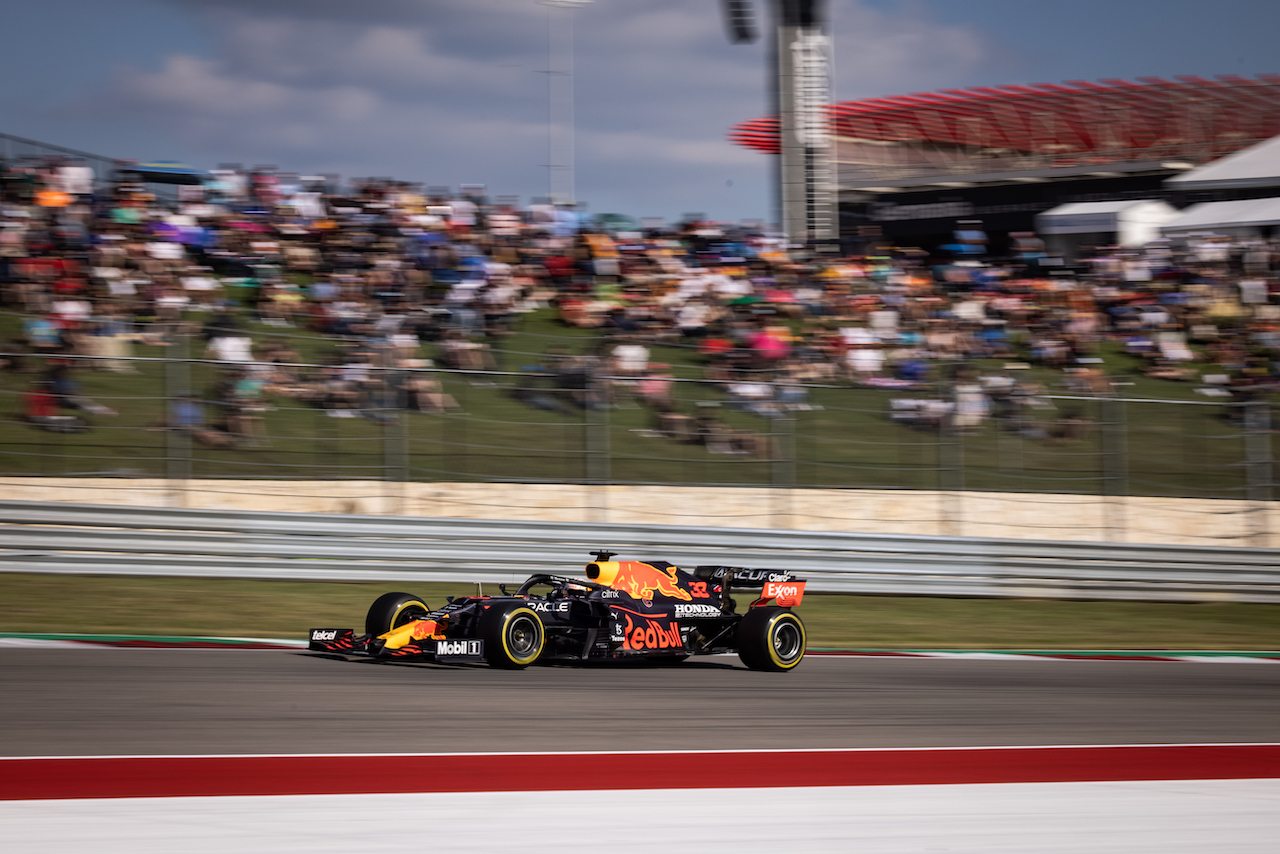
368,301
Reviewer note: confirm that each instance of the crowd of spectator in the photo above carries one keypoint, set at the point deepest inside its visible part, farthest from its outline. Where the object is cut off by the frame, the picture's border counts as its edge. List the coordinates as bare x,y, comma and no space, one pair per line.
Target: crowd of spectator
409,280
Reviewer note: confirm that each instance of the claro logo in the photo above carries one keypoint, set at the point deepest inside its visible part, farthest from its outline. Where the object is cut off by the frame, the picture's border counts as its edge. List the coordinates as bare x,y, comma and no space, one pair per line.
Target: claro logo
742,576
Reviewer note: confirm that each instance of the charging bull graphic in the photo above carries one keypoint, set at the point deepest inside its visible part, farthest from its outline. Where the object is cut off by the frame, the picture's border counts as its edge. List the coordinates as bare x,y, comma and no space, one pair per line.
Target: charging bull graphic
638,580
426,629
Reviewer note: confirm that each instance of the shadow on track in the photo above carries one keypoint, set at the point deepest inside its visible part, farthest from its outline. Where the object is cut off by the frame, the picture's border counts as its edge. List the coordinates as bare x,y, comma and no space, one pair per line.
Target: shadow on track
611,664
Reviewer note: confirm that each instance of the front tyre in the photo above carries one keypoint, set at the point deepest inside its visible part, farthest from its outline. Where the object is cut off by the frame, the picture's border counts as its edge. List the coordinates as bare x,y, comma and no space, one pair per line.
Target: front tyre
771,639
391,610
513,636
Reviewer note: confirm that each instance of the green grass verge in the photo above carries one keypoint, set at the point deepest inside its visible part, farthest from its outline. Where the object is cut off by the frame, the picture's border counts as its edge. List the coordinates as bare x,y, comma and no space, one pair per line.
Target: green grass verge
286,609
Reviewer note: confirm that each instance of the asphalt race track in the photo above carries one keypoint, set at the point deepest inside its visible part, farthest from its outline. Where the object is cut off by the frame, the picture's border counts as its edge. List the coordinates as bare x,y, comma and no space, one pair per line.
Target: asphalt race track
67,702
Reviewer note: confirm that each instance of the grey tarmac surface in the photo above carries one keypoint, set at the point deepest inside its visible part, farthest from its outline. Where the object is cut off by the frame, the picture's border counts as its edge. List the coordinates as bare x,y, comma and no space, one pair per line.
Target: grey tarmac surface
146,701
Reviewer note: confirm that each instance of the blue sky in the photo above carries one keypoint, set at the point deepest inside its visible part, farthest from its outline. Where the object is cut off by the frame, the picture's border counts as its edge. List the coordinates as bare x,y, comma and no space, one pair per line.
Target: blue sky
449,91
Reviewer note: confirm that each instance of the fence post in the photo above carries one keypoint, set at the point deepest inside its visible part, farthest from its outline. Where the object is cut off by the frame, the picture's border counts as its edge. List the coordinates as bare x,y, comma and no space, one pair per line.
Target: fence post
178,447
1257,443
395,437
950,470
782,452
1115,467
457,432
599,462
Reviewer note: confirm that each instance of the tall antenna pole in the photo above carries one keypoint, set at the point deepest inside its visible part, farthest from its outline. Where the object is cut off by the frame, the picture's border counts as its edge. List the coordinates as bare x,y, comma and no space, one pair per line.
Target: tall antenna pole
560,112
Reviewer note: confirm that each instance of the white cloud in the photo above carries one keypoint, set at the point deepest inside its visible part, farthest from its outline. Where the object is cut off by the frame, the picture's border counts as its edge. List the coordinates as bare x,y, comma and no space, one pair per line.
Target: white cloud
190,85
446,91
881,53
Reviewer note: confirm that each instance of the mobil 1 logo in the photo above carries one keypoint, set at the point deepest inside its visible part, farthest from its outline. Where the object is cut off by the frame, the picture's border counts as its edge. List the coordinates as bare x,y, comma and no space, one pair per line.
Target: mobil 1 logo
459,650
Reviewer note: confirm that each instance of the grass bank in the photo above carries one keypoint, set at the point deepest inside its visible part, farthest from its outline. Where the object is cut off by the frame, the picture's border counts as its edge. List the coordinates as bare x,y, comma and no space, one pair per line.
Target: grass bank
286,609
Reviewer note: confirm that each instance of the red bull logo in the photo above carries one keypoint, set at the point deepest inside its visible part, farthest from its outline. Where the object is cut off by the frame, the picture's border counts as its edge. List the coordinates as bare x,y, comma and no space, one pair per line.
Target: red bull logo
651,634
639,580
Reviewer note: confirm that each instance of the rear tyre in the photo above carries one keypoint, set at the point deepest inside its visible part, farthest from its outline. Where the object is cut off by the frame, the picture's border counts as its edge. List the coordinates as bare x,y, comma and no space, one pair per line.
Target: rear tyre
513,636
771,639
391,610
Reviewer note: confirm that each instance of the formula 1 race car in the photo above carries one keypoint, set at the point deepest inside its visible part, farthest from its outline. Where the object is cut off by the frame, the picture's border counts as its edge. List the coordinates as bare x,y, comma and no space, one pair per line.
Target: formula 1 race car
621,610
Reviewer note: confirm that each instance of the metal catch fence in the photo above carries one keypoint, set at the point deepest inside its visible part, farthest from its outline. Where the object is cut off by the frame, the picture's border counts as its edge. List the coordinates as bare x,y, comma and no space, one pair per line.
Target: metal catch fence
193,418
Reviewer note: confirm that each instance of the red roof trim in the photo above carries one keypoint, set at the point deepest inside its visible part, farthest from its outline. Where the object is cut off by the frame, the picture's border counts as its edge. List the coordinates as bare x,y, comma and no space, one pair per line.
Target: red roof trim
1078,116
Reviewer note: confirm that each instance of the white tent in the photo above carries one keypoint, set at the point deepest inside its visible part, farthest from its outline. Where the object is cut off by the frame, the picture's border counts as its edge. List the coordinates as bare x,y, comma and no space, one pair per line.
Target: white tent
1255,166
1236,218
1133,222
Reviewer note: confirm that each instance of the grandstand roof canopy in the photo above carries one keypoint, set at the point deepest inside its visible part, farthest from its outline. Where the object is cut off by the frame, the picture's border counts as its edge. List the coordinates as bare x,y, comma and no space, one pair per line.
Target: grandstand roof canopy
1255,166
1190,120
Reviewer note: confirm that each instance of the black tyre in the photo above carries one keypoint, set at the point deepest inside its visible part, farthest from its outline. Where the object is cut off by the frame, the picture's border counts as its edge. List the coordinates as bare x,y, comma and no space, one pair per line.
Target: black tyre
391,610
513,636
771,639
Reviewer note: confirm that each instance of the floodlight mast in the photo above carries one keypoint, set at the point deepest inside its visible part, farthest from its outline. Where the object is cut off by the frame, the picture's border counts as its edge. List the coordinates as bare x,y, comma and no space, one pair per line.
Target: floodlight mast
740,18
800,57
560,97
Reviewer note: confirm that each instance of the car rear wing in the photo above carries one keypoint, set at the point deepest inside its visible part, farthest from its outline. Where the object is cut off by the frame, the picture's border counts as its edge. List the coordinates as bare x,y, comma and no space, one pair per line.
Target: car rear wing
741,577
774,585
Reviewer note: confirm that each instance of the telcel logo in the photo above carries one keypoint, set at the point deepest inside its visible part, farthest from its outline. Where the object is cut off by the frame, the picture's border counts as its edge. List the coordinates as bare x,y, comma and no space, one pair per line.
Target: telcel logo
319,635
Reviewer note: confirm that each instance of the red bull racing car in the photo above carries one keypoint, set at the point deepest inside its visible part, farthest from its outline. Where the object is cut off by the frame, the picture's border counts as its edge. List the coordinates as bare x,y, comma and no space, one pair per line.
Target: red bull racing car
621,610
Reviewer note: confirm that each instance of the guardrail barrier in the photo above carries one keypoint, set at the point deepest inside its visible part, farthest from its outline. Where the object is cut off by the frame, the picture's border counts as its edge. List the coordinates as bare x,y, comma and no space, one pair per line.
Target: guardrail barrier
109,540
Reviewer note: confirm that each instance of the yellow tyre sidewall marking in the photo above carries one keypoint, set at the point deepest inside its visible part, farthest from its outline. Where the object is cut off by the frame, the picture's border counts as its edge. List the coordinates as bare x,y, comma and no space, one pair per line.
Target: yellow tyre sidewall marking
773,652
542,635
403,605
